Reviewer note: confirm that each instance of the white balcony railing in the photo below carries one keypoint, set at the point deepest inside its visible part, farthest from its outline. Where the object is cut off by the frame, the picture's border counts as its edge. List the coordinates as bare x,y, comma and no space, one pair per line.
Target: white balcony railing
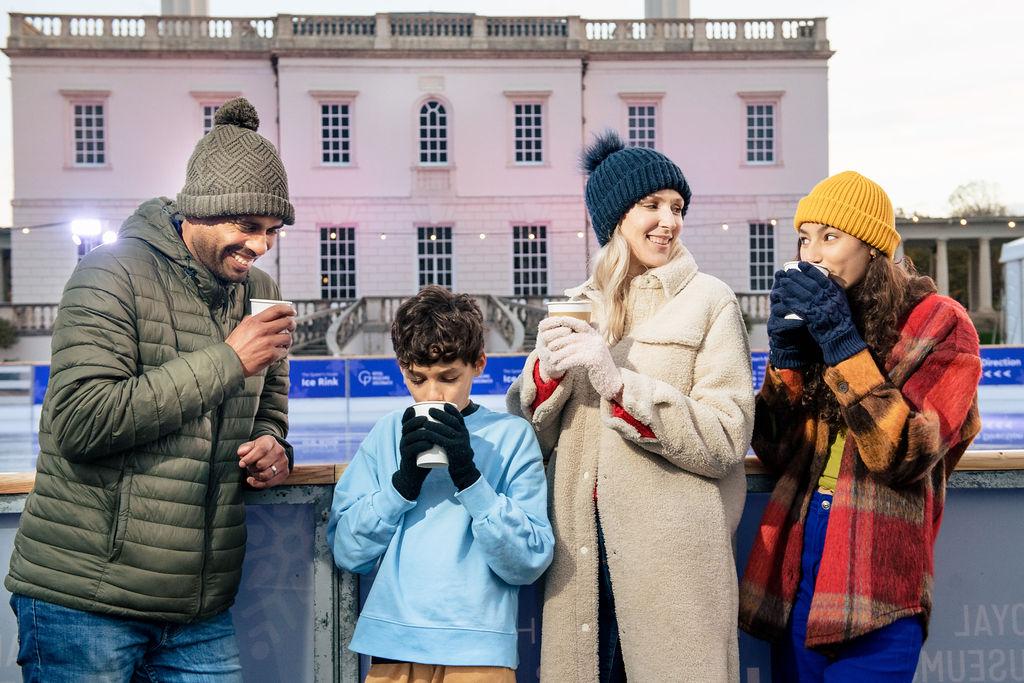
406,31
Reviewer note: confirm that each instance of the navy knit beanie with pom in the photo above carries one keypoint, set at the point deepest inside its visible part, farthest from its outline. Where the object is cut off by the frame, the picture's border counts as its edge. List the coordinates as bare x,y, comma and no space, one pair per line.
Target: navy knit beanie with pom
620,176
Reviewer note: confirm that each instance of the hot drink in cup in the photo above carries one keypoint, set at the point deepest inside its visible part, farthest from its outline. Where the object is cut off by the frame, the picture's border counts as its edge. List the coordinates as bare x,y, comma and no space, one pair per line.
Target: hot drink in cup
259,305
795,265
581,310
435,455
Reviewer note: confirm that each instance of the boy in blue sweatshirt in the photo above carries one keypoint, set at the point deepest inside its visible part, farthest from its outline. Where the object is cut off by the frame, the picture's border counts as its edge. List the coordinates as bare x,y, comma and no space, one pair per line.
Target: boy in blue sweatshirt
451,545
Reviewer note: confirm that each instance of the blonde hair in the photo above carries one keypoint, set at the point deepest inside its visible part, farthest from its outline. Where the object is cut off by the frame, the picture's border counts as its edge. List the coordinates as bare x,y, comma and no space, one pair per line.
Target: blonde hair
610,277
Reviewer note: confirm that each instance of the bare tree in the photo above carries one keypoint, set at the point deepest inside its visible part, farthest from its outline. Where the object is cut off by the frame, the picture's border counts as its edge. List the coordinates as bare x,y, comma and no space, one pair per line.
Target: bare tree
976,198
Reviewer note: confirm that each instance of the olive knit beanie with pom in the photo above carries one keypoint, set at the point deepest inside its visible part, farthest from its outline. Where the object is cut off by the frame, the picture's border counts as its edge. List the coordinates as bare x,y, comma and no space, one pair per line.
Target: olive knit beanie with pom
235,171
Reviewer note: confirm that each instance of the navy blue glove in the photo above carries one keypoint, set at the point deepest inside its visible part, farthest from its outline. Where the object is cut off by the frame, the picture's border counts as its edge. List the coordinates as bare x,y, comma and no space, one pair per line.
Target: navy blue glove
450,433
823,305
790,345
408,479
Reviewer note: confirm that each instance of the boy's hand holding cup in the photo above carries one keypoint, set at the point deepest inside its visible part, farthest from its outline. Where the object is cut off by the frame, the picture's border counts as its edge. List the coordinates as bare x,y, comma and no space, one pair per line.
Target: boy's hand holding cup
433,435
408,479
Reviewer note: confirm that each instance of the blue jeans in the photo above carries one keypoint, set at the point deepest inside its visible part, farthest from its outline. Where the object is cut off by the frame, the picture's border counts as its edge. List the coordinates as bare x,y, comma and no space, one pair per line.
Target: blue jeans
888,655
611,667
61,644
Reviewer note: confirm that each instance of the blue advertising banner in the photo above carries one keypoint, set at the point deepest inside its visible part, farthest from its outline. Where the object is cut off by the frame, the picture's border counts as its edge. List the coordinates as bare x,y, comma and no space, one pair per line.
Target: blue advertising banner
375,377
40,380
317,379
1002,365
498,376
759,365
379,377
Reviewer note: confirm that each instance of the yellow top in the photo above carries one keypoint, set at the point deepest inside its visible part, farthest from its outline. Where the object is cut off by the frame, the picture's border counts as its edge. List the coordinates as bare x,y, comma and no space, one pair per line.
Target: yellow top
835,457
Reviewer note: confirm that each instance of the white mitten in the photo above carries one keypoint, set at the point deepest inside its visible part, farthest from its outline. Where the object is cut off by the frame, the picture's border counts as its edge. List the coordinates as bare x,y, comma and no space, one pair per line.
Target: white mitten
586,348
549,330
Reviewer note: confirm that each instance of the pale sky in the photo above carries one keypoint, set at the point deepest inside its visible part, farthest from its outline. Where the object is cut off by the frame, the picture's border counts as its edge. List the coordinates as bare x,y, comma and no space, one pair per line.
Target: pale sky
923,95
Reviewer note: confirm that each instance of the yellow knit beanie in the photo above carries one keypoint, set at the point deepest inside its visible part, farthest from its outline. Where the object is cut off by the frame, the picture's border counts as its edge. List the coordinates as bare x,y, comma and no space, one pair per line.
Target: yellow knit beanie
857,206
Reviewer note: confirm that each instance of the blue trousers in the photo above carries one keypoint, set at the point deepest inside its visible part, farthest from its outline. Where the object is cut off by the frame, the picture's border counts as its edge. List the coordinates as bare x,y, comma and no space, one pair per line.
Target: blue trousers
888,655
611,667
61,644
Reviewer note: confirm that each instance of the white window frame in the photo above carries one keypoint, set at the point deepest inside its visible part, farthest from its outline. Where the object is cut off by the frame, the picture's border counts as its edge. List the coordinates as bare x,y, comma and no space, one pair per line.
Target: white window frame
437,132
435,264
771,141
761,254
531,271
528,133
341,264
87,98
209,116
517,101
213,100
638,135
339,135
641,99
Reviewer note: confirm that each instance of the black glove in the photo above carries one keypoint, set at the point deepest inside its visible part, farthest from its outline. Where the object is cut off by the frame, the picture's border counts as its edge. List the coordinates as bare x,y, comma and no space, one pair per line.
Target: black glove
822,303
450,433
790,345
408,479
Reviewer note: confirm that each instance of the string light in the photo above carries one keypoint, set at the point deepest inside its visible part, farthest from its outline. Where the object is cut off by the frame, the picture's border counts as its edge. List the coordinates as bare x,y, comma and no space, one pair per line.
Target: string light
333,235
1012,224
773,222
579,235
532,236
963,221
725,226
483,236
25,231
913,218
284,233
433,236
383,236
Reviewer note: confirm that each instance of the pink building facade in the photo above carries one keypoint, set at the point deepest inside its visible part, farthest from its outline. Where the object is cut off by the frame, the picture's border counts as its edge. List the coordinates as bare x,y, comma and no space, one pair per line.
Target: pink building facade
420,148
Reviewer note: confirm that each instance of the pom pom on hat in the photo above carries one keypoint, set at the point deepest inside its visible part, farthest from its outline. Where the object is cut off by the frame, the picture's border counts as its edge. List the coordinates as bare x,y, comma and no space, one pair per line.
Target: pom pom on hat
237,112
604,145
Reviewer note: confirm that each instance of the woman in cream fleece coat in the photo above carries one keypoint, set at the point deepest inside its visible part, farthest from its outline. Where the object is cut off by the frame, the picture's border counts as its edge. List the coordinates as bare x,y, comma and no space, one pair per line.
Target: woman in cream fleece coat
646,421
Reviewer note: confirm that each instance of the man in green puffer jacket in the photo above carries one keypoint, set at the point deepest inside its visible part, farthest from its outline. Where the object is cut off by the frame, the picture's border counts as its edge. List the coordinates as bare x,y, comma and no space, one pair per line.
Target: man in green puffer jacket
164,400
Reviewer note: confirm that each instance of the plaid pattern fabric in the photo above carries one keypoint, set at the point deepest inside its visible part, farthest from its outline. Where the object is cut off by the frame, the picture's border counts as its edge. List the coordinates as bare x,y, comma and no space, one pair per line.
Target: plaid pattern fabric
907,429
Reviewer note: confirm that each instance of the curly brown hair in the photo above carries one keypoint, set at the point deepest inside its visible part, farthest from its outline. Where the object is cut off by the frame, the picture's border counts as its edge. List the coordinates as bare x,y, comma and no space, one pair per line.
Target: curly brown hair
437,326
888,292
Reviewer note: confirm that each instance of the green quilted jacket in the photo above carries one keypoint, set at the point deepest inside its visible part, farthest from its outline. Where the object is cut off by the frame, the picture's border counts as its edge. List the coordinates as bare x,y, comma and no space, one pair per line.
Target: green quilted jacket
137,508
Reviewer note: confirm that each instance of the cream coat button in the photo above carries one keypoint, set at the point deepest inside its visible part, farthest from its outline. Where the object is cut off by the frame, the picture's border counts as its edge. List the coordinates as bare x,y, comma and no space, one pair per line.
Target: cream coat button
585,628
583,550
586,476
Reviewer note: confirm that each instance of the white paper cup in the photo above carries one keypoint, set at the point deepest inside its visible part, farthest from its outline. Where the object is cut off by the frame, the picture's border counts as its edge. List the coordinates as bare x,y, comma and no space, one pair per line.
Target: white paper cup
795,265
435,456
581,310
259,305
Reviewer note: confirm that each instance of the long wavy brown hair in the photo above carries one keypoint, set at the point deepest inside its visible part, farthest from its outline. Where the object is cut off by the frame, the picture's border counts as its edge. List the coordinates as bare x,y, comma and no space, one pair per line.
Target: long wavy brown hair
879,303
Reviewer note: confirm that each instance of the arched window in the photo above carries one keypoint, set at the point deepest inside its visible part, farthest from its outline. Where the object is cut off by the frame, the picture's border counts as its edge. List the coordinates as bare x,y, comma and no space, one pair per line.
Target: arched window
433,133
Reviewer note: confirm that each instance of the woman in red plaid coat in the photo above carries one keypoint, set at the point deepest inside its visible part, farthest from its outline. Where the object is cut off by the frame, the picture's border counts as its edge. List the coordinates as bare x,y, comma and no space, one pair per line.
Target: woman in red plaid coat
869,401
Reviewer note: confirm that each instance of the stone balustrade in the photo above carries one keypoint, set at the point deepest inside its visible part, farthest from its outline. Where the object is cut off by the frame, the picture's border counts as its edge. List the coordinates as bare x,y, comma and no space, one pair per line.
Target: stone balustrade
404,31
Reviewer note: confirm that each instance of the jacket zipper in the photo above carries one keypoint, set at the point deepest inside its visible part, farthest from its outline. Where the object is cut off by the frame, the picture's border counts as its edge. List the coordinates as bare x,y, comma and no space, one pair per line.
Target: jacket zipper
214,439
